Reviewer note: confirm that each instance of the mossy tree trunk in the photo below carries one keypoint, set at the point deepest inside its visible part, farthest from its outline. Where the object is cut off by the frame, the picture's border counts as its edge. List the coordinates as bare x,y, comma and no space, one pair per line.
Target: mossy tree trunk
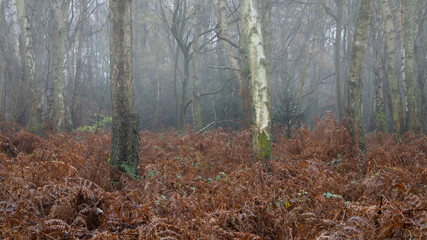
260,91
412,89
125,135
379,119
34,123
396,100
355,79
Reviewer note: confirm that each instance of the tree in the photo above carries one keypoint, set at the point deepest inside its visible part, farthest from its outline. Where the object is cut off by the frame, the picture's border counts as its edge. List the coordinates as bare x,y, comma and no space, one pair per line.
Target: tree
309,49
197,111
355,79
34,122
260,91
125,130
239,68
411,83
337,56
391,71
59,9
378,121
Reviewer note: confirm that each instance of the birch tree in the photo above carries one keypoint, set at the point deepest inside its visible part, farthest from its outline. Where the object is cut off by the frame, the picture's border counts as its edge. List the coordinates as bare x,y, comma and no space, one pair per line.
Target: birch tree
59,8
260,91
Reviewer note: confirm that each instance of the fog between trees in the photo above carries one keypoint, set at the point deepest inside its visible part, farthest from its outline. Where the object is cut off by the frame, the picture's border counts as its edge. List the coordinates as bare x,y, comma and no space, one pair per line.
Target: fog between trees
191,63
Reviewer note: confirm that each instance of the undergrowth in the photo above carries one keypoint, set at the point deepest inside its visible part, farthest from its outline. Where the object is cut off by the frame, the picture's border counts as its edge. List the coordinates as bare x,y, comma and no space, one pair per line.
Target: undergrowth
208,187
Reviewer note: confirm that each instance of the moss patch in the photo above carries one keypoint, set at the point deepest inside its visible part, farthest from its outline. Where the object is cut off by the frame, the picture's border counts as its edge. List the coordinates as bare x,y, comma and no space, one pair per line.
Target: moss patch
263,149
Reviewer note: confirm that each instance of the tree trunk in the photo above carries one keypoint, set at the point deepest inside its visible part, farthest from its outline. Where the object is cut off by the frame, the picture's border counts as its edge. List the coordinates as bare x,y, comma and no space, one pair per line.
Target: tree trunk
240,70
355,79
379,121
76,104
2,62
125,134
60,14
184,90
245,83
309,50
401,15
197,111
34,123
337,47
412,89
261,128
396,100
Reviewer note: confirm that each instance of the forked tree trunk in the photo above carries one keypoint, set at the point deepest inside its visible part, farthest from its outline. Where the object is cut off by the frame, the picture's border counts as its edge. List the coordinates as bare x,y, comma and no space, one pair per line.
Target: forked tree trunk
261,128
125,135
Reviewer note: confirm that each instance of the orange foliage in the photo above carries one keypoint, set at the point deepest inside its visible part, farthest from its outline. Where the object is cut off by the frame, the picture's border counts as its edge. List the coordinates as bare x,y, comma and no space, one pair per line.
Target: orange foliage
208,187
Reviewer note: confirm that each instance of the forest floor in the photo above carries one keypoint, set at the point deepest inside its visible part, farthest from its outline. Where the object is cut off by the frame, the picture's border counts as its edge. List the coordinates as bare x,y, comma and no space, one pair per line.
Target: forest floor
319,186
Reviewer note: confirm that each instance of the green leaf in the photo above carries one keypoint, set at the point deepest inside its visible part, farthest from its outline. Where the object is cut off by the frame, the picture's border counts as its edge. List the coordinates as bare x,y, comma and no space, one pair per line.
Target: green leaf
328,195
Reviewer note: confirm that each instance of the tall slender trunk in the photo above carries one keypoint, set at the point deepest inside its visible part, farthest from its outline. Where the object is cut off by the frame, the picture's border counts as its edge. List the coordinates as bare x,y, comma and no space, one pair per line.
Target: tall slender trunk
412,89
241,70
197,111
175,85
396,100
401,14
76,105
34,122
355,79
309,49
184,90
337,48
125,131
60,13
261,104
379,121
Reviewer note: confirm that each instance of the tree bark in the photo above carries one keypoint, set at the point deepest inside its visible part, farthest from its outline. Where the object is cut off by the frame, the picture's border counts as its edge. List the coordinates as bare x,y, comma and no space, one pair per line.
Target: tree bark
34,123
379,121
309,49
125,134
60,14
240,69
401,15
261,104
337,47
412,89
76,104
355,79
197,111
396,100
